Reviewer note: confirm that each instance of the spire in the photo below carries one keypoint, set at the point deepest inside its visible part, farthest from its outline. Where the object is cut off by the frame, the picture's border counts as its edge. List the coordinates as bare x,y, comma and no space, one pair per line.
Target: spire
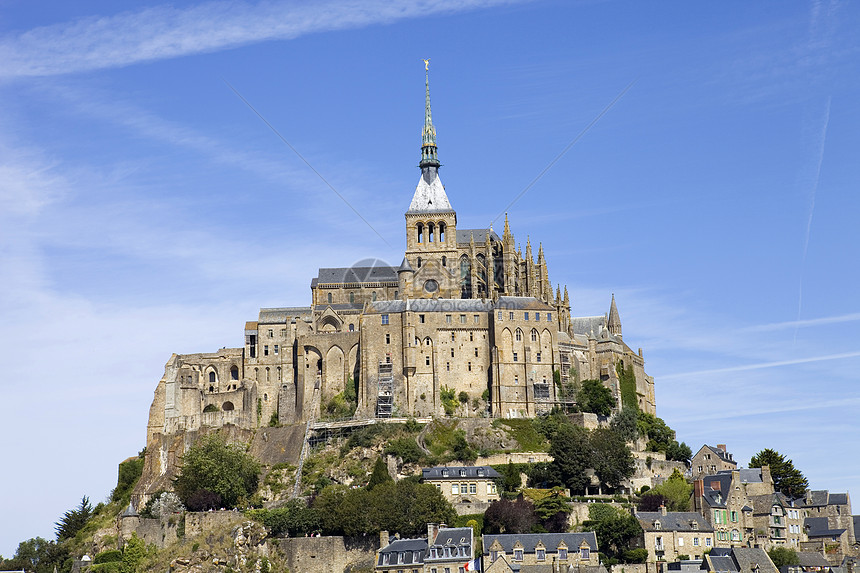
566,299
507,232
614,322
430,196
428,134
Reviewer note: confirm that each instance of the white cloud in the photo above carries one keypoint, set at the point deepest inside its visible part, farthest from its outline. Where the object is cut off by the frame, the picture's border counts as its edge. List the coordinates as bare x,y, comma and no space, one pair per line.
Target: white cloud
165,32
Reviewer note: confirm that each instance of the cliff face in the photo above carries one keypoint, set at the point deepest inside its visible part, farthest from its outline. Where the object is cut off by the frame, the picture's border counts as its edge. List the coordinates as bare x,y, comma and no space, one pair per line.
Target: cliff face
269,446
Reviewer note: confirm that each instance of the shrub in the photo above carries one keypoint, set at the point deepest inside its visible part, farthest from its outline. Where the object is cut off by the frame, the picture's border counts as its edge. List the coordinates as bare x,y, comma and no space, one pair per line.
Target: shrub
108,556
449,400
211,468
406,449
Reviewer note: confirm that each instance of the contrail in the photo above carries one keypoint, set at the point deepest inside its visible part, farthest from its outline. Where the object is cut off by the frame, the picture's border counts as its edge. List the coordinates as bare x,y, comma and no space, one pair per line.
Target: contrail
822,140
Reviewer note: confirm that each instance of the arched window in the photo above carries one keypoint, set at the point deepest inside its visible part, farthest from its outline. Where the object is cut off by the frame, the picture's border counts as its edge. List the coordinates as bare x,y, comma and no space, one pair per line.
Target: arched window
534,335
373,296
329,298
420,232
441,232
444,261
431,231
351,327
395,294
234,373
227,407
212,377
465,277
351,298
419,262
519,334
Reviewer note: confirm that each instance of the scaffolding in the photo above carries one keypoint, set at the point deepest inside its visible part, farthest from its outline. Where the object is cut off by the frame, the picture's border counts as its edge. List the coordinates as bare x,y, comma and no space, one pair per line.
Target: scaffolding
385,391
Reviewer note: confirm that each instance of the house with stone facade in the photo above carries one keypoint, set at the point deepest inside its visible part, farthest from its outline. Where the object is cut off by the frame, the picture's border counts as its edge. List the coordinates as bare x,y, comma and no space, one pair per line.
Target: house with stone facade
468,311
738,560
668,535
712,459
527,552
469,488
777,520
444,550
724,500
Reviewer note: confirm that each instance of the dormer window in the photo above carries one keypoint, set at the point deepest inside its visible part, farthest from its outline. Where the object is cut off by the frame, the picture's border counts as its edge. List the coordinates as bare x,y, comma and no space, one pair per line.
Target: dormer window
480,472
462,473
444,473
694,525
657,525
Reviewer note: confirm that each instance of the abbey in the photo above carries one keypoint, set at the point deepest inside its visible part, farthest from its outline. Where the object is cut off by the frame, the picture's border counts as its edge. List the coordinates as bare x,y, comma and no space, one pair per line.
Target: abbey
466,314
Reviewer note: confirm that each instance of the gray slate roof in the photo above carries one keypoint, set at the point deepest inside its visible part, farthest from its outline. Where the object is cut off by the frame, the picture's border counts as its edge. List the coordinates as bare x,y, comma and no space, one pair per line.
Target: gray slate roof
464,236
282,315
413,551
674,521
355,275
739,559
456,472
521,303
721,454
550,540
585,325
451,305
819,527
812,559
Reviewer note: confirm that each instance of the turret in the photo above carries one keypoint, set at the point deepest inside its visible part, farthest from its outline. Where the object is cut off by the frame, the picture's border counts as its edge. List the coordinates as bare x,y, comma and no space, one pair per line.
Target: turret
613,324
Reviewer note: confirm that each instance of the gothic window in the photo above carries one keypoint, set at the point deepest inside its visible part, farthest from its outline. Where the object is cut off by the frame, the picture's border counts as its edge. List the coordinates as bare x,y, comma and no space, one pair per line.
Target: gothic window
351,327
534,335
465,277
234,373
420,232
351,298
519,334
442,233
212,377
373,296
328,297
444,261
431,231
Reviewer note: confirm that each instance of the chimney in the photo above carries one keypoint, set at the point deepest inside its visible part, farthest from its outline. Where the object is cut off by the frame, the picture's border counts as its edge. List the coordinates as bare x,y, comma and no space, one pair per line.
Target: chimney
765,475
383,539
662,510
432,531
721,447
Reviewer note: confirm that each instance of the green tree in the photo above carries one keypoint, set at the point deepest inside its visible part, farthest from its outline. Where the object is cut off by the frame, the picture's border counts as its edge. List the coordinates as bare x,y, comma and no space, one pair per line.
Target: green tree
783,556
610,457
212,466
675,493
552,510
506,516
380,474
571,454
596,398
39,556
510,480
624,424
128,474
291,520
133,553
615,530
74,520
786,478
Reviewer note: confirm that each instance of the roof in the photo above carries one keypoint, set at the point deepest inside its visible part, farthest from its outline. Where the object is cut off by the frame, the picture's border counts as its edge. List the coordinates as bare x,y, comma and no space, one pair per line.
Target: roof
722,454
430,196
739,559
282,315
451,305
674,521
812,559
521,303
716,488
355,275
819,527
530,540
453,535
413,551
456,472
813,498
587,324
464,236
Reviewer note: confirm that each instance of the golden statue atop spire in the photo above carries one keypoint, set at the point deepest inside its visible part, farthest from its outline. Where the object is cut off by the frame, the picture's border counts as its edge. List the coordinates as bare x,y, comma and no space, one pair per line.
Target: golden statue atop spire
427,65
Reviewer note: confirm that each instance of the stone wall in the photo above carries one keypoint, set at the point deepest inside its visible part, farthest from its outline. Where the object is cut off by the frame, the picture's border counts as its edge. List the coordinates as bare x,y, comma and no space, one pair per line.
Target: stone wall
327,554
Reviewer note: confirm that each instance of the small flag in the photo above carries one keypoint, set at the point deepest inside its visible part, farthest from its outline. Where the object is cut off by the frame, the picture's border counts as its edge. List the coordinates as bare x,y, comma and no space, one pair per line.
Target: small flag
473,565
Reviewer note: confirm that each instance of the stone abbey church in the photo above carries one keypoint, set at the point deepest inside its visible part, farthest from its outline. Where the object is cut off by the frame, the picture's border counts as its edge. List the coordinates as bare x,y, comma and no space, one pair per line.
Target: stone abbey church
466,311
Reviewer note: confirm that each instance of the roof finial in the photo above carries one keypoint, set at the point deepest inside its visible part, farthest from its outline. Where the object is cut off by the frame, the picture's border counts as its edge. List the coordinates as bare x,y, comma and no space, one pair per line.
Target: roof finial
428,134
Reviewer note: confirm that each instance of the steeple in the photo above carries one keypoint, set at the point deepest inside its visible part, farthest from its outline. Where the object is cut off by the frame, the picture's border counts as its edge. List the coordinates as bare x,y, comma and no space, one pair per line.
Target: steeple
428,134
613,324
430,196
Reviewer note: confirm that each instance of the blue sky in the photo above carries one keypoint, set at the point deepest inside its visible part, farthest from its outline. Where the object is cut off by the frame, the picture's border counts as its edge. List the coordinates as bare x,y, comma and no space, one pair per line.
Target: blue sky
145,209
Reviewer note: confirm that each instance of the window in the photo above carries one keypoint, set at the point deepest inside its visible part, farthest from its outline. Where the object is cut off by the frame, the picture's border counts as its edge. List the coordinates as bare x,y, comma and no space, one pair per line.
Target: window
421,318
444,261
234,373
734,515
540,554
515,356
448,318
736,535
470,366
477,318
491,488
351,297
471,337
328,297
526,315
695,542
534,335
211,377
476,353
518,554
351,327
585,553
562,553
707,541
538,356
384,319
387,338
511,315
373,296
473,488
549,317
519,334
276,350
271,333
537,317
266,350
452,353
516,380
419,262
426,361
680,542
455,488
494,555
462,319
448,366
500,315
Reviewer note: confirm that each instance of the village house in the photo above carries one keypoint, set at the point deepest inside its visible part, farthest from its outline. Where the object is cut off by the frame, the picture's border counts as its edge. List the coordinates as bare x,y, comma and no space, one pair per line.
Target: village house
671,535
527,552
710,460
